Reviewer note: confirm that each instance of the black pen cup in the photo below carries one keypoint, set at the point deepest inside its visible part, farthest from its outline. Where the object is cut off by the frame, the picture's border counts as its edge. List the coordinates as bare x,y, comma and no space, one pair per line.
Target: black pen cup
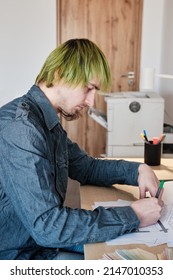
152,153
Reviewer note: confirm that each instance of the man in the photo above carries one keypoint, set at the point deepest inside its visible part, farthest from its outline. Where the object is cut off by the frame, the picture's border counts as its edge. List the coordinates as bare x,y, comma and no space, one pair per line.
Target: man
37,158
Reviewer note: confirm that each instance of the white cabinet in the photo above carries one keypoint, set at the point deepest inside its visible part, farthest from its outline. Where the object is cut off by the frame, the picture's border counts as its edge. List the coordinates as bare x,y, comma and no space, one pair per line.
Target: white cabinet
128,114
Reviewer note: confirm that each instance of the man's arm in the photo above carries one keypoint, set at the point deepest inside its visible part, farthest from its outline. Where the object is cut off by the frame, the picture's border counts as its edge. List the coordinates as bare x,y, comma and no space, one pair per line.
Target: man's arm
88,170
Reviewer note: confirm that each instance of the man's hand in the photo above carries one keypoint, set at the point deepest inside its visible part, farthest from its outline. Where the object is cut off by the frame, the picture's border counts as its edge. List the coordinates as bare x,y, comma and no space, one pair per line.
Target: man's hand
147,181
148,210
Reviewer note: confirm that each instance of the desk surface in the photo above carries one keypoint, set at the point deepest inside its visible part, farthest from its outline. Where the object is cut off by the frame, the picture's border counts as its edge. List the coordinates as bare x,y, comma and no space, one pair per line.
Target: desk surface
90,194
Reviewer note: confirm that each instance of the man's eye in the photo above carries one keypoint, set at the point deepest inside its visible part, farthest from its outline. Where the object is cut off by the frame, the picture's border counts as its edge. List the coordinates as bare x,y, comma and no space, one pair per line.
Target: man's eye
89,89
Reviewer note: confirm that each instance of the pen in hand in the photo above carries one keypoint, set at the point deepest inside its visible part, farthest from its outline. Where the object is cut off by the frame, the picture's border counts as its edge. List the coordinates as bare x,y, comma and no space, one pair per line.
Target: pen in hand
159,189
157,196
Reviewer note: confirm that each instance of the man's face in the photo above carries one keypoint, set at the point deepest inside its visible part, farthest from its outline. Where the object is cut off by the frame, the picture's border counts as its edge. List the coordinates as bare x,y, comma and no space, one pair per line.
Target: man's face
73,100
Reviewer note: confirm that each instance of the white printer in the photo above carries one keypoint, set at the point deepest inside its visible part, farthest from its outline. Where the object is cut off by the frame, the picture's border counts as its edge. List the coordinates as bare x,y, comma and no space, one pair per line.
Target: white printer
128,114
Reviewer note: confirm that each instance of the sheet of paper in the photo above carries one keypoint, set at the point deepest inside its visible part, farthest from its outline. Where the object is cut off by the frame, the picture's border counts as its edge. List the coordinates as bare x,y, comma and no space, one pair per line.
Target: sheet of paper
148,238
167,196
113,203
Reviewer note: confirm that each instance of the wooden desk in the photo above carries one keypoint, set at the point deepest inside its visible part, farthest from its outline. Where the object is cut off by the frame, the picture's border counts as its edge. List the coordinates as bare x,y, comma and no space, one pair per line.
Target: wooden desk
90,194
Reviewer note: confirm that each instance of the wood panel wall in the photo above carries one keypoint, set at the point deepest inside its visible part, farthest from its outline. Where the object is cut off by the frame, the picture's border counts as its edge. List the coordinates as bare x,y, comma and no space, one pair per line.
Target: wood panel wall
115,26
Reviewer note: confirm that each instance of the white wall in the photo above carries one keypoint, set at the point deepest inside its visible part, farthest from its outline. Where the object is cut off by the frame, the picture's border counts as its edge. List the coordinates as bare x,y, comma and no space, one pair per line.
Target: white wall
152,35
166,66
157,48
27,36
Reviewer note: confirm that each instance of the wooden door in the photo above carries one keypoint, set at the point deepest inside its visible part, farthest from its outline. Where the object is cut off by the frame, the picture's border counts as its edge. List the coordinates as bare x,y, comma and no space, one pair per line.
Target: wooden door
115,26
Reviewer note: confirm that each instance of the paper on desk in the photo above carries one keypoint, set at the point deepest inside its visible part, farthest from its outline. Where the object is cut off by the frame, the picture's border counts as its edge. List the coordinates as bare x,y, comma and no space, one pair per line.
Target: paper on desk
152,235
167,196
148,238
113,203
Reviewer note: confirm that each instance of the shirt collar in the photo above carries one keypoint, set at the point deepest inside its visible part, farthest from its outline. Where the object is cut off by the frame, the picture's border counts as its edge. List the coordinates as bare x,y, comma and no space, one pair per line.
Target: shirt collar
50,116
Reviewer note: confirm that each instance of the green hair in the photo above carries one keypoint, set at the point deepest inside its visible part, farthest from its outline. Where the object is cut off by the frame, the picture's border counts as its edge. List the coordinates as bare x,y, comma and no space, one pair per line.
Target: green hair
76,62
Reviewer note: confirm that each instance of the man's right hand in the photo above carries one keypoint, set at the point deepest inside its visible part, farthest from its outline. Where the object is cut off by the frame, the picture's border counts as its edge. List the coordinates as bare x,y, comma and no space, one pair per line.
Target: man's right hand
148,210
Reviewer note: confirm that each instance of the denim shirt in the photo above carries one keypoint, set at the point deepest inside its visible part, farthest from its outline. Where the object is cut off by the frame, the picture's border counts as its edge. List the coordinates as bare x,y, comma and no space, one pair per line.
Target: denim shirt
36,160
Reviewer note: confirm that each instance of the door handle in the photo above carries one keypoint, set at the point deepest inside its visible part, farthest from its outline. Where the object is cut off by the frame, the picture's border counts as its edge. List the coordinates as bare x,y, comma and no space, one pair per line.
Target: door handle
129,75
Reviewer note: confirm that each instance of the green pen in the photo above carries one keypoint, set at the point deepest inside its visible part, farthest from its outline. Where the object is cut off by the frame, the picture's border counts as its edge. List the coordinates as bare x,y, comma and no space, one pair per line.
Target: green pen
157,196
159,189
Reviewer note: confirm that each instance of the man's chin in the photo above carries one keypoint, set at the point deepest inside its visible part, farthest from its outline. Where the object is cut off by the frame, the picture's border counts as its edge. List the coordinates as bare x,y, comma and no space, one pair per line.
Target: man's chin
76,115
70,116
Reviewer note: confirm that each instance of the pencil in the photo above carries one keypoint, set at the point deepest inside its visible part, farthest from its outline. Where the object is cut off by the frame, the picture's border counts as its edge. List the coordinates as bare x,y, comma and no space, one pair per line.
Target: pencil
142,136
159,189
162,137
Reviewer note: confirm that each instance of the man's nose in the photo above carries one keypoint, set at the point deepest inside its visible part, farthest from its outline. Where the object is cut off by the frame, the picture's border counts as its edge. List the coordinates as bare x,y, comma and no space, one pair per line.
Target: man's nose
90,98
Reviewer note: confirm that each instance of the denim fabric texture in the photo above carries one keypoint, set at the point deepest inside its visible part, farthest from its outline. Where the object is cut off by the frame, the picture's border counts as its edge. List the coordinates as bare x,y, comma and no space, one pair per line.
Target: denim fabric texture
36,159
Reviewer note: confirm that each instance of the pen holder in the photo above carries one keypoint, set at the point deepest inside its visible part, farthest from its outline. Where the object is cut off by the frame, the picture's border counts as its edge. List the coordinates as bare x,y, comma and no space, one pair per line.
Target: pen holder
152,153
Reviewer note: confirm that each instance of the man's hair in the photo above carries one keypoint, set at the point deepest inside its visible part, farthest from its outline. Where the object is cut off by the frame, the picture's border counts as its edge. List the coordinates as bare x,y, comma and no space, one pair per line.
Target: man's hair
76,62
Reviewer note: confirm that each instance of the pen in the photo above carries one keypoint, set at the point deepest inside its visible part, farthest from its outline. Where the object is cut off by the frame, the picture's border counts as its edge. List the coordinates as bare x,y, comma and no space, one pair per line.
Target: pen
159,189
162,226
157,196
145,135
